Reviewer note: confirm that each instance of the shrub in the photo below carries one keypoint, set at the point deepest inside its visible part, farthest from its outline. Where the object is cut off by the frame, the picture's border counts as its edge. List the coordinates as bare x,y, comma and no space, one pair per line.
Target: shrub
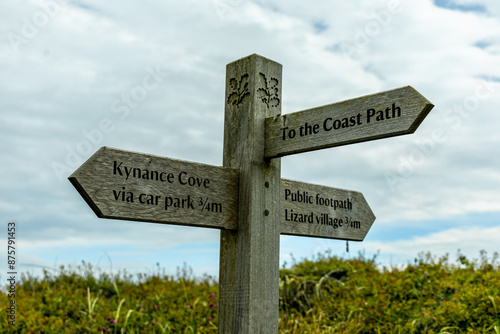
328,294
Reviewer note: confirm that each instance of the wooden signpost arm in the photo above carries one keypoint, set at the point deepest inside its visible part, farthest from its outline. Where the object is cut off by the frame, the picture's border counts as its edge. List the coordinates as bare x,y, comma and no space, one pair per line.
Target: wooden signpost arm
249,257
386,114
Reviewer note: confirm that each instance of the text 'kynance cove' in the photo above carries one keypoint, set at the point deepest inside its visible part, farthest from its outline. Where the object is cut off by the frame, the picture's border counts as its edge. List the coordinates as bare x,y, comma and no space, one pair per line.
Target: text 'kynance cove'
182,177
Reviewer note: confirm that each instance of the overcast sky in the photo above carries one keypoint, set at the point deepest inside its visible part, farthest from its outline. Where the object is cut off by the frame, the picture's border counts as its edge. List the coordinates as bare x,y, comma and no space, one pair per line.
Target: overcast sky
68,66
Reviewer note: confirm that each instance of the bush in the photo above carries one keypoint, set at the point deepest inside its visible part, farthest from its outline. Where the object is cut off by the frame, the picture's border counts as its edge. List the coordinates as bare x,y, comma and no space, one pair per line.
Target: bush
326,295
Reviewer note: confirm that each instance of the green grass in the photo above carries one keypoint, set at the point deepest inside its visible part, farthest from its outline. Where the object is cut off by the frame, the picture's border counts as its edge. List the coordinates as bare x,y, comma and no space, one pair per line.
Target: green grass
325,295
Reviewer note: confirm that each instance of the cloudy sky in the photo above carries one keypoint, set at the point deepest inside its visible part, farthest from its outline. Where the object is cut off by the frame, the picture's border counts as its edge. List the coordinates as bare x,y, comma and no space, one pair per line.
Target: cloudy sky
68,69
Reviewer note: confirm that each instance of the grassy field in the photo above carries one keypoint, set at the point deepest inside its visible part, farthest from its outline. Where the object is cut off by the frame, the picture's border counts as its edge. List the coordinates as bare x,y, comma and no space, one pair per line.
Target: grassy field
325,295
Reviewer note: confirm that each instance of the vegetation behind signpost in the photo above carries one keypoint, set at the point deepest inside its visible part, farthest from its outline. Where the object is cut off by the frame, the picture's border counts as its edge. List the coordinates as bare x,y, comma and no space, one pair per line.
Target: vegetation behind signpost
328,294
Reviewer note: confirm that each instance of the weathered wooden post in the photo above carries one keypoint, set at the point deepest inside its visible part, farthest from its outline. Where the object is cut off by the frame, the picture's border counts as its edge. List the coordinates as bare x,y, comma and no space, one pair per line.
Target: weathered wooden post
249,257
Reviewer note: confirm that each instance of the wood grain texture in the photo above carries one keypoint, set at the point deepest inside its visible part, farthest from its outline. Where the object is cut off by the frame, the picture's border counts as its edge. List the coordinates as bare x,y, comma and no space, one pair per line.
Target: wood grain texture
119,184
249,258
347,122
318,211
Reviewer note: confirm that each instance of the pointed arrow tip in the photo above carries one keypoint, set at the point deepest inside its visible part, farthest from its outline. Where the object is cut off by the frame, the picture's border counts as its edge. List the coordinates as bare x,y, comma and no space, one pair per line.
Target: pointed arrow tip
78,174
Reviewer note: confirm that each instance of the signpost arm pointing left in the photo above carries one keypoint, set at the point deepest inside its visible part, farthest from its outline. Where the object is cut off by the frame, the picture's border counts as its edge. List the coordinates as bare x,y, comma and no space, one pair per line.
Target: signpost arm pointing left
249,257
119,184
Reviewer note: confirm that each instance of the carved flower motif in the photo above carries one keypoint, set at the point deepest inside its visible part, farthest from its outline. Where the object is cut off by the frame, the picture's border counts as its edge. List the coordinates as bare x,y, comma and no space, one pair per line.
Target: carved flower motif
239,90
269,94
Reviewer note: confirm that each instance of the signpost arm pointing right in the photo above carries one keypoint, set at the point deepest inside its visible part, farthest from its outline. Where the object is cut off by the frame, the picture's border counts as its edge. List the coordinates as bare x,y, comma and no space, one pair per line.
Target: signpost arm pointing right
386,114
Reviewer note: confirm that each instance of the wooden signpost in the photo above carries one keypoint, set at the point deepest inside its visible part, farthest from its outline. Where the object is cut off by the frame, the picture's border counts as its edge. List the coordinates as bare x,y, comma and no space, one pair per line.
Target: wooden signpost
316,211
246,198
126,185
382,115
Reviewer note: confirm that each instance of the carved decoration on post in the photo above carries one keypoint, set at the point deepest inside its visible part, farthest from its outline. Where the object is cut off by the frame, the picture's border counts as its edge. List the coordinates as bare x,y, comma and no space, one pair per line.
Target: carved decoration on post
270,93
239,90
